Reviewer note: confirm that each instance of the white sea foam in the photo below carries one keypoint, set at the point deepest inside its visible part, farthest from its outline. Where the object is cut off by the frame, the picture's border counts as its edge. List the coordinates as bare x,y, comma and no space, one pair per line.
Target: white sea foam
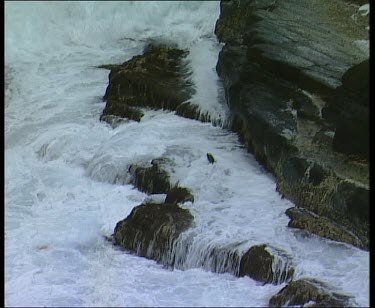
364,9
65,172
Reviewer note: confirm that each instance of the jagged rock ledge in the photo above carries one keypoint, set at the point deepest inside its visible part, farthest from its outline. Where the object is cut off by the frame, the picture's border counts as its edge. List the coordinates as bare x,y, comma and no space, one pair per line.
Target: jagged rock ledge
297,87
303,219
157,79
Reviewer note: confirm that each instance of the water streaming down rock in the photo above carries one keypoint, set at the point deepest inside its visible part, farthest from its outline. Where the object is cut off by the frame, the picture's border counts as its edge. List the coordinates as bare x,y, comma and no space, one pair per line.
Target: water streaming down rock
282,266
189,252
154,231
229,258
159,78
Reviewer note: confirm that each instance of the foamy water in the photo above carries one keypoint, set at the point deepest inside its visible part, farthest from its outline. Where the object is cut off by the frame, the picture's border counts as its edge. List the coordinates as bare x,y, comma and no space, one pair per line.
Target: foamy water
65,171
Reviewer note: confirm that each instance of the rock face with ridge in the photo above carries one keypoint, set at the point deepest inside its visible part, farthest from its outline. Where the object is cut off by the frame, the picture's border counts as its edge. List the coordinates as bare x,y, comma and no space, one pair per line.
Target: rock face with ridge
297,88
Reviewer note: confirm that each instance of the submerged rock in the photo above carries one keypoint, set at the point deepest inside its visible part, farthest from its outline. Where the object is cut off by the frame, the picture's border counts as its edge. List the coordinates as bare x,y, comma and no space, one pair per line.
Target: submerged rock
266,264
292,78
314,292
150,229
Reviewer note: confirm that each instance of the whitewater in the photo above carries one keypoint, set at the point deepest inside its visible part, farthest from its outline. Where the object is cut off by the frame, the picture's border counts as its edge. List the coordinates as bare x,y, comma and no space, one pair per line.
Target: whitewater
66,182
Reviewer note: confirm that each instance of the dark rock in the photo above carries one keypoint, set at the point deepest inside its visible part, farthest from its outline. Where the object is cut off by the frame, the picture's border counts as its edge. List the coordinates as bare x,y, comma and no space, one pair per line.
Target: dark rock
158,79
352,134
262,265
234,17
324,137
305,106
115,108
356,80
294,169
291,80
192,111
349,111
355,201
188,110
303,219
178,195
234,57
299,171
112,120
150,179
150,229
302,291
341,207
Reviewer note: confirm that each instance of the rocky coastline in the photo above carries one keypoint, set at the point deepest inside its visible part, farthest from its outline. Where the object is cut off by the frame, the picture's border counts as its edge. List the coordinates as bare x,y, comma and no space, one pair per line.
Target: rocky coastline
296,93
298,96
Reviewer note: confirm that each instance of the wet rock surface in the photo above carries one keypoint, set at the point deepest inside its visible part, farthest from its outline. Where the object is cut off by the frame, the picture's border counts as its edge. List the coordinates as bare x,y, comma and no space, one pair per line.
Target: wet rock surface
150,178
303,219
179,195
159,79
291,70
150,229
314,292
117,109
265,265
192,111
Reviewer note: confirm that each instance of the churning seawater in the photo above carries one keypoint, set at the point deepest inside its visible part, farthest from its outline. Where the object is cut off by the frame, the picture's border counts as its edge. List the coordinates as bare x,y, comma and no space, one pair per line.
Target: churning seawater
65,171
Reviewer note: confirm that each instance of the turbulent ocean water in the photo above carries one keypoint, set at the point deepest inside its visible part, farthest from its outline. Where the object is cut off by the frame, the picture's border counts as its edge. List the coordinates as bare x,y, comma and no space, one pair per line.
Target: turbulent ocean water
65,171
